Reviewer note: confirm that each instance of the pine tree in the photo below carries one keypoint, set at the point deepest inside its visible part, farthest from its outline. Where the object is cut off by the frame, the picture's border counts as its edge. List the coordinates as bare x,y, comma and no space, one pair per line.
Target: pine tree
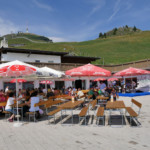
100,35
115,30
105,35
134,28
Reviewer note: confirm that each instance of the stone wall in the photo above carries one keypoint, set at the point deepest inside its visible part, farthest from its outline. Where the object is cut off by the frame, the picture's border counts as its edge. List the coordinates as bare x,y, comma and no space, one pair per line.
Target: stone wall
143,64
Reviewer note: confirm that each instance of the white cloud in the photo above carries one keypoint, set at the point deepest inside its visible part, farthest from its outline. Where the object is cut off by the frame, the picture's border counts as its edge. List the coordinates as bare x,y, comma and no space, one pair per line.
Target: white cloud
42,5
6,27
58,39
98,4
115,10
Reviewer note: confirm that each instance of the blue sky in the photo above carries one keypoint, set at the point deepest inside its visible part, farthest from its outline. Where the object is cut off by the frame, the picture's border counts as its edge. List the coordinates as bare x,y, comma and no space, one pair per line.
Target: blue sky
72,20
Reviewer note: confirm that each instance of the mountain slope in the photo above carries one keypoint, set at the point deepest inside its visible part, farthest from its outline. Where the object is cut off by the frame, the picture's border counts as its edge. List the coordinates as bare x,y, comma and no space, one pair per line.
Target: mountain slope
114,50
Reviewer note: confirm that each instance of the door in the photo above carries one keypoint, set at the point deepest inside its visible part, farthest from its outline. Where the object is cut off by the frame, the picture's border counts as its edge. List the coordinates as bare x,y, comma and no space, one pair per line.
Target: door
78,84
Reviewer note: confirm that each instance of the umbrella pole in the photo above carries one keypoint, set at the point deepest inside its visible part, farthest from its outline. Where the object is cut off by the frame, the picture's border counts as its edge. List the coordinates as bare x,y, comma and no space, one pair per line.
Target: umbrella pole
124,86
18,124
46,86
17,99
132,84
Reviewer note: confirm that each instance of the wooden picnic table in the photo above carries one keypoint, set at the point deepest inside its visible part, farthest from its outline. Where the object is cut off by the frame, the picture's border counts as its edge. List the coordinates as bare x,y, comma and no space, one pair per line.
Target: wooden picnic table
102,100
70,106
19,105
102,97
116,105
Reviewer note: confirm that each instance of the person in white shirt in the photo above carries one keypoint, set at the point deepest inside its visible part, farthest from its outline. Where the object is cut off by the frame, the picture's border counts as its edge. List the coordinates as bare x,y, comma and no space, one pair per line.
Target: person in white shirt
9,108
7,89
33,100
80,94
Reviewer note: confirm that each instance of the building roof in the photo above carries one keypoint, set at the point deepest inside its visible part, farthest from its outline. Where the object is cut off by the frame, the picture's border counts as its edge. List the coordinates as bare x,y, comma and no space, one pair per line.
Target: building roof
42,52
64,57
78,59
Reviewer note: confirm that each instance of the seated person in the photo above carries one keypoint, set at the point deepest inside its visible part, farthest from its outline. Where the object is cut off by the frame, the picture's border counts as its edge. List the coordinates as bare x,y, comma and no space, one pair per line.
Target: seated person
9,108
114,94
33,100
80,94
91,92
2,99
56,92
21,96
100,92
50,93
70,91
108,92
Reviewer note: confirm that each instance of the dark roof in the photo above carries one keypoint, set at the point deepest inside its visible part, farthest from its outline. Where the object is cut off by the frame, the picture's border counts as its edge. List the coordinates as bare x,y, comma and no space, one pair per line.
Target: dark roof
42,52
78,59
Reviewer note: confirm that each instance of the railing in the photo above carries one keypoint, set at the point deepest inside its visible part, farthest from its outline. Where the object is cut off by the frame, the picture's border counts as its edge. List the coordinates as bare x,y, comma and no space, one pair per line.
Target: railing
143,64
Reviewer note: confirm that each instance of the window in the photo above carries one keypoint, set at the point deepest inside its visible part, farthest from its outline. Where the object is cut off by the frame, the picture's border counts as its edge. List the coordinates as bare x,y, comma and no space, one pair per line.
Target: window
50,61
37,60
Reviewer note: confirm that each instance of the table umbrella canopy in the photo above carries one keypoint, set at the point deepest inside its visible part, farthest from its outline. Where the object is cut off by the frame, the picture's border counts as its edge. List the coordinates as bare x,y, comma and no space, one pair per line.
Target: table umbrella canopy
16,68
46,82
112,79
68,79
100,79
46,71
88,70
18,80
131,71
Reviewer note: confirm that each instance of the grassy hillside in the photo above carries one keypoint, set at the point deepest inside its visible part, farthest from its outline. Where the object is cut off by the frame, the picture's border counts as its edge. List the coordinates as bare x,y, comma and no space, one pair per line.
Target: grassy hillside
114,50
31,36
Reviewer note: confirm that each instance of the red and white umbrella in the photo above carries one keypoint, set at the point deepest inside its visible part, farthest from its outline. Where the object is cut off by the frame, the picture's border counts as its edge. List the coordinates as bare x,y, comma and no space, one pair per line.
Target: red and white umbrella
46,82
112,79
131,72
15,69
18,80
69,79
88,70
100,79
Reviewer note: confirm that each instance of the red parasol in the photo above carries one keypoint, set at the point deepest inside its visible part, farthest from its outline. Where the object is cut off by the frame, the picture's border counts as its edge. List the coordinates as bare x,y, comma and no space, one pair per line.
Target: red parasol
46,82
18,80
112,79
88,70
100,79
131,71
16,68
68,79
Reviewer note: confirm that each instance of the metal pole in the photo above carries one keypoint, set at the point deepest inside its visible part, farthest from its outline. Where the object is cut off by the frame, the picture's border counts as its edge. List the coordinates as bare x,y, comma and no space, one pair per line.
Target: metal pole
17,99
46,86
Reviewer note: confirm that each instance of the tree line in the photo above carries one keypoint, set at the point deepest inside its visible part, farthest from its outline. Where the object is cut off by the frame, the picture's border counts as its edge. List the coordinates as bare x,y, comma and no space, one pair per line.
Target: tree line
114,31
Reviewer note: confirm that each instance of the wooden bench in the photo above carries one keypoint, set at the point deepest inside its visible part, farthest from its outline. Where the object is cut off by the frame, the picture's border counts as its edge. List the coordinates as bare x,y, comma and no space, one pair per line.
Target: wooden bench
50,104
89,97
52,113
7,113
100,114
102,100
83,114
33,113
133,114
